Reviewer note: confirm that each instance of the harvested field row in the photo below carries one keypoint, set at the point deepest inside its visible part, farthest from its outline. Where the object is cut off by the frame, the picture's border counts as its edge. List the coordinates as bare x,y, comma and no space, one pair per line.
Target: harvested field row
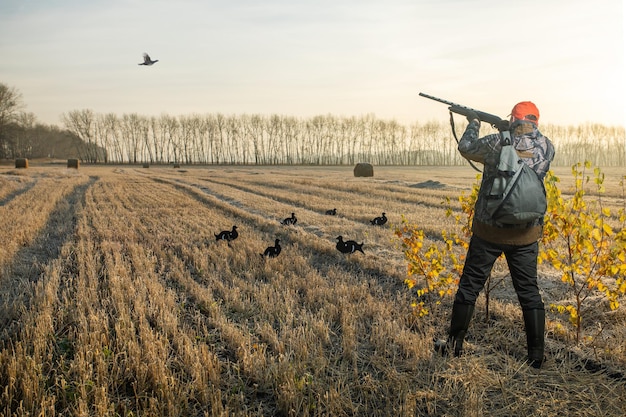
427,193
27,208
235,301
12,185
354,210
312,241
350,202
138,310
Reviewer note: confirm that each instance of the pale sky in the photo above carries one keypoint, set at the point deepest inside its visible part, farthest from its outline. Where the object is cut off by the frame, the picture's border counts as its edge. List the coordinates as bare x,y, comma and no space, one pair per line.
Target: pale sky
305,58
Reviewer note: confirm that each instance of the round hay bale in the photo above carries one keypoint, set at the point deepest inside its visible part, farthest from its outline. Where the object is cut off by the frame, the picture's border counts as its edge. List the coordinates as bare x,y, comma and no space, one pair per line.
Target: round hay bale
176,165
146,165
363,169
21,163
73,163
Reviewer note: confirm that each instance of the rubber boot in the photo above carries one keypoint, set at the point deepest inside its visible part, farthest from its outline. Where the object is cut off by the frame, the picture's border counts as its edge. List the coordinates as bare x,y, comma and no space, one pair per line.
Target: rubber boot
459,323
535,323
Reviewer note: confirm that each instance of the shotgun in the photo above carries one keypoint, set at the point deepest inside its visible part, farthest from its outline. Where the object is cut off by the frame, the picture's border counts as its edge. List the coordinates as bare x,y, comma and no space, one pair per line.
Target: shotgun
492,119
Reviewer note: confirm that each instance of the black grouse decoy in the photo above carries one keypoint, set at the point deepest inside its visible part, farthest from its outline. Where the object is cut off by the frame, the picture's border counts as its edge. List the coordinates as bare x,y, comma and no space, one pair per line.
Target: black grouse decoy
349,246
331,212
272,251
290,220
379,221
147,60
227,235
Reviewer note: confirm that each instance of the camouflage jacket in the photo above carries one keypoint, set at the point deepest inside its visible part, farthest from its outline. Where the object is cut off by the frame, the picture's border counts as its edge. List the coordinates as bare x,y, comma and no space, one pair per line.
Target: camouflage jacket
535,150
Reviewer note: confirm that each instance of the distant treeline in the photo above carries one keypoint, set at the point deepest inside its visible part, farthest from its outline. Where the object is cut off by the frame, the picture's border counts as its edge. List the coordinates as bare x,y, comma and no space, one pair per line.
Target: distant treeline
257,139
36,140
319,140
21,136
275,139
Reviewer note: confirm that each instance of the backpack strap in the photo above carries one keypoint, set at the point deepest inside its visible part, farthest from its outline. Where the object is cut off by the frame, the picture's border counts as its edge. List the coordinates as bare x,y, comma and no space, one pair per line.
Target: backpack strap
506,137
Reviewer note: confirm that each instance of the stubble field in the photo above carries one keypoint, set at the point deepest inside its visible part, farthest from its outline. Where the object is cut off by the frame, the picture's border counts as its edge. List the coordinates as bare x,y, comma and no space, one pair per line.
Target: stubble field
116,300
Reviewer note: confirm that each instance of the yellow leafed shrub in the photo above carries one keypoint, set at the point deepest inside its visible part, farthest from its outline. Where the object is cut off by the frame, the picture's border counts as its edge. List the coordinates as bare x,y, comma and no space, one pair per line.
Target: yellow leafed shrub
584,241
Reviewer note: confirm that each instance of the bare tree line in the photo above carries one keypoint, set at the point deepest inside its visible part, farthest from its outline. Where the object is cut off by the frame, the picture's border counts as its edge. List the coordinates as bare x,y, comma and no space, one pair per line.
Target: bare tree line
255,139
266,139
21,136
319,140
603,146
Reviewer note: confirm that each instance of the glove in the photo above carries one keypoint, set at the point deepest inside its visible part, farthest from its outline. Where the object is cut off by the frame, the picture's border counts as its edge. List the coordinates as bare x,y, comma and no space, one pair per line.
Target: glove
471,115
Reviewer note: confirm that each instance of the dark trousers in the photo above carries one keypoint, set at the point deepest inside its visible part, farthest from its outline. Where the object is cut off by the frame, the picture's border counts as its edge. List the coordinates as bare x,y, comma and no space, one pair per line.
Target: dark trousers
522,262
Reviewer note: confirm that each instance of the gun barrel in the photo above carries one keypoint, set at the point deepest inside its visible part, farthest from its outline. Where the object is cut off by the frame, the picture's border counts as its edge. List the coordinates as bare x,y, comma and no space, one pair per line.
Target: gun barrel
449,103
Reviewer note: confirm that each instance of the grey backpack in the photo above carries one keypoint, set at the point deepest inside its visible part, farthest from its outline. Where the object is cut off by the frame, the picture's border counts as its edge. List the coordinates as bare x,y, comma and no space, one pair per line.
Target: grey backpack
517,195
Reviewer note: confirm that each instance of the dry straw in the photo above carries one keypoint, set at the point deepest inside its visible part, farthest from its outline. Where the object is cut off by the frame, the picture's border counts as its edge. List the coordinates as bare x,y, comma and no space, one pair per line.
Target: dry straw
142,313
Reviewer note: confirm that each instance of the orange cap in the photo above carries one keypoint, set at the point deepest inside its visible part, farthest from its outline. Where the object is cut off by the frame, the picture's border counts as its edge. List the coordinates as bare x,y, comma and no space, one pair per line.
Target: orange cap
526,110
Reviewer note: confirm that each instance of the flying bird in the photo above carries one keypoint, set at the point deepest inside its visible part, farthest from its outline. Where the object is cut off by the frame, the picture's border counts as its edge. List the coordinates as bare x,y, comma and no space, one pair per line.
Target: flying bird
379,221
227,235
147,60
272,251
349,246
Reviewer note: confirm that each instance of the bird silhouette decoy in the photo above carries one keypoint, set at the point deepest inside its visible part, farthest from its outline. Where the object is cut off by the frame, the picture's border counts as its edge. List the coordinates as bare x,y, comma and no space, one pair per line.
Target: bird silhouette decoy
331,212
290,220
349,246
272,251
147,60
227,235
379,221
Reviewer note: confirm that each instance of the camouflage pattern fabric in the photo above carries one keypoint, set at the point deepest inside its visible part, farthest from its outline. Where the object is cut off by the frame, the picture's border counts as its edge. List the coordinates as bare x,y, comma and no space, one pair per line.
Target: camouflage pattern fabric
535,150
